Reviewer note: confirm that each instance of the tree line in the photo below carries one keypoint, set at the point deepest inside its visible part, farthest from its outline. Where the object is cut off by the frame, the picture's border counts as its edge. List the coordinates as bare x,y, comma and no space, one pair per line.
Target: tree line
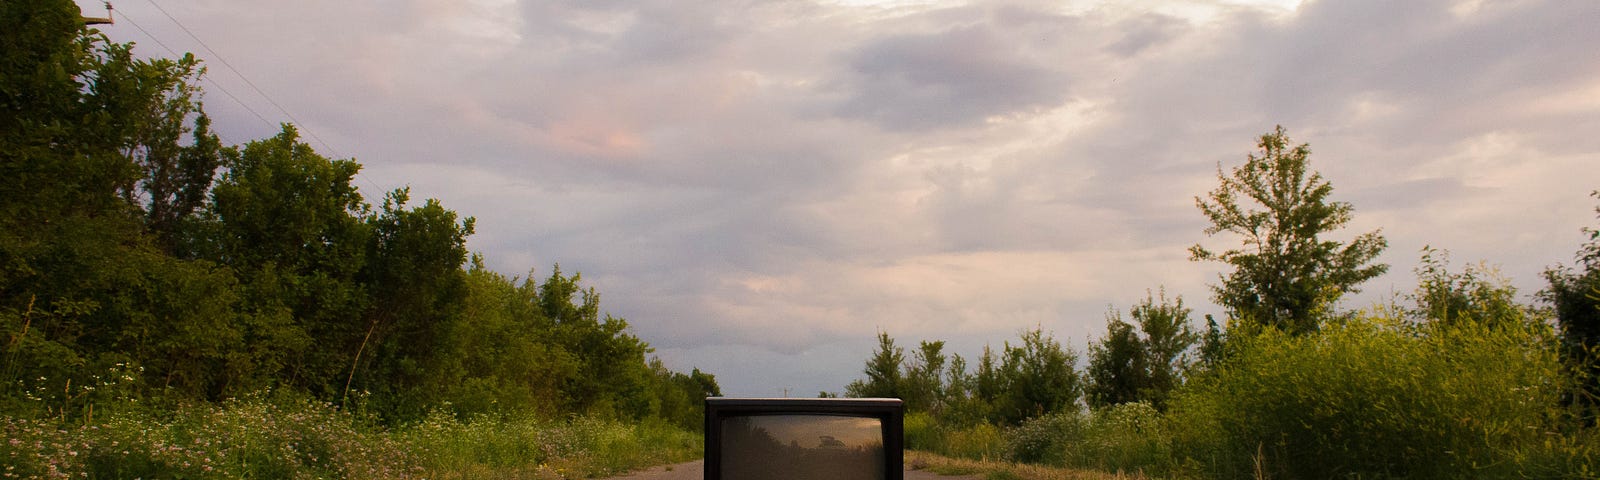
1285,280
132,241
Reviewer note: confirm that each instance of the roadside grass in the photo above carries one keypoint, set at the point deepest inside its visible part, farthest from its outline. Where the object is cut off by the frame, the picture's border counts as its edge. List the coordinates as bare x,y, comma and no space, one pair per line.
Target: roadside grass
289,437
530,447
1000,470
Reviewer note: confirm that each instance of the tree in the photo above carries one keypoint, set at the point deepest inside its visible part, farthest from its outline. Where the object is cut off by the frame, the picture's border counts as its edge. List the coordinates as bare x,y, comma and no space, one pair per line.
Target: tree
883,372
961,404
924,378
294,229
1118,368
611,376
416,285
1575,294
987,382
1039,378
119,253
1142,362
94,176
497,353
1285,275
1167,340
1477,294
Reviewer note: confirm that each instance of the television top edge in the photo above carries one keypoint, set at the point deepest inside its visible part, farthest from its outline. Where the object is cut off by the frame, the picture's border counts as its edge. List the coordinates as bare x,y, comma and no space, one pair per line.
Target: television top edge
731,400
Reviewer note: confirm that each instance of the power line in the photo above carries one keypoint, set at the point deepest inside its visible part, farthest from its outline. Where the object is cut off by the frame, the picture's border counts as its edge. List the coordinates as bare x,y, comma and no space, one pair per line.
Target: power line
329,148
247,81
213,83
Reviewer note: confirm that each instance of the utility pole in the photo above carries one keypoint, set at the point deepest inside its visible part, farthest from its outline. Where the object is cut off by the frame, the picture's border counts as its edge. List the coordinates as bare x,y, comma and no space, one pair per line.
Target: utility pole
107,20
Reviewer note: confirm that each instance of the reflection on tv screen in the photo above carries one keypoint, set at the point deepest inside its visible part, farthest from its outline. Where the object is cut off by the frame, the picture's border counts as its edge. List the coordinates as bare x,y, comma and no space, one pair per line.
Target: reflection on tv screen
802,447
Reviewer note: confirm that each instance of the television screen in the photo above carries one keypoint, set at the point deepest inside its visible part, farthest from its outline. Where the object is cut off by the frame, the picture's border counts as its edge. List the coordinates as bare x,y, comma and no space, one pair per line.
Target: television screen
803,439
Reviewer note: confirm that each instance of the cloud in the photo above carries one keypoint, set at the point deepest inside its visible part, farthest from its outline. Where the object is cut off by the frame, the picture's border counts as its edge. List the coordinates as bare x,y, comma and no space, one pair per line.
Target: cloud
954,78
759,187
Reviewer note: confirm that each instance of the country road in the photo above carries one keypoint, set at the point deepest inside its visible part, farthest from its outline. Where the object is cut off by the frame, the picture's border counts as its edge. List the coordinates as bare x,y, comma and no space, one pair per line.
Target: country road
696,470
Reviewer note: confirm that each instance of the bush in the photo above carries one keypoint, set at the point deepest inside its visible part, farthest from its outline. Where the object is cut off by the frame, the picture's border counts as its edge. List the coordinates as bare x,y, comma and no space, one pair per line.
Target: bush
1122,437
978,441
1045,439
981,441
922,432
1375,398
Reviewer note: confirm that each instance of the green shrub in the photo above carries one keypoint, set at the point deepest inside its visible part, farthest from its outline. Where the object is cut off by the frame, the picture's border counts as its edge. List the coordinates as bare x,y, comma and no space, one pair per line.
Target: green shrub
1045,439
977,441
981,441
922,432
1374,398
1123,437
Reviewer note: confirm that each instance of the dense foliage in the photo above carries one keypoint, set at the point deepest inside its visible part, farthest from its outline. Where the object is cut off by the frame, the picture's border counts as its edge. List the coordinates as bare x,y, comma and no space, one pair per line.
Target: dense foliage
1458,379
1144,365
1284,274
1575,294
1373,397
134,245
1033,377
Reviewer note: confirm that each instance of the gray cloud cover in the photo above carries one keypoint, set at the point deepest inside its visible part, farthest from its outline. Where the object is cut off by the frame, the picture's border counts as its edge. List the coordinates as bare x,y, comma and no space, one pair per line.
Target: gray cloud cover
760,186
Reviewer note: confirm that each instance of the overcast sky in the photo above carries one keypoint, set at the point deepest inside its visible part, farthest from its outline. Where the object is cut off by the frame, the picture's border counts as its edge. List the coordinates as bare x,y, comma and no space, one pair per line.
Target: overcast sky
759,187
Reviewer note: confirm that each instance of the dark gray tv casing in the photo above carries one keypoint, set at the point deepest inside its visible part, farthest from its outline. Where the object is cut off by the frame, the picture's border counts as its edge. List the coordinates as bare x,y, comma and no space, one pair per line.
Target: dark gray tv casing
889,411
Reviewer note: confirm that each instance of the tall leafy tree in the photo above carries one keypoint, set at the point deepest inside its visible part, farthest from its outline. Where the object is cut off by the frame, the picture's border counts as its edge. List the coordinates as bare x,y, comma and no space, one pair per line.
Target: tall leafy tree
987,384
1118,365
1168,338
1285,275
611,377
292,225
961,404
417,287
498,352
92,155
1142,361
1039,378
924,377
883,372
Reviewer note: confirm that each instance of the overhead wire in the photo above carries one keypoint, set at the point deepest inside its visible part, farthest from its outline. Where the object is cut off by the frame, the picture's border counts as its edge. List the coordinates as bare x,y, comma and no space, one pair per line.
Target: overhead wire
224,90
218,56
247,81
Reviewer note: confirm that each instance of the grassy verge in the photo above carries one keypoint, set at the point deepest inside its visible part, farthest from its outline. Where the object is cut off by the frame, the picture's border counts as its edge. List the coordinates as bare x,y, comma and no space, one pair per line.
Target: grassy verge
998,470
526,447
296,438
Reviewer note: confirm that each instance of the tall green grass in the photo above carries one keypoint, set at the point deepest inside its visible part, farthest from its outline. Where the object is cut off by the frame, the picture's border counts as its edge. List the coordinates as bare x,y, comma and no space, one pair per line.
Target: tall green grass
979,441
289,437
531,447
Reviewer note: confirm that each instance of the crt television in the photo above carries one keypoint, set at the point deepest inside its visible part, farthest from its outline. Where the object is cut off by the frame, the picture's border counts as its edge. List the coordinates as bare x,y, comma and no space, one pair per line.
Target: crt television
804,439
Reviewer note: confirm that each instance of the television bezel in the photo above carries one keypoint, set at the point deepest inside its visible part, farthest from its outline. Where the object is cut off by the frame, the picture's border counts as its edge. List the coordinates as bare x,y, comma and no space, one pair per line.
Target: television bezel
890,413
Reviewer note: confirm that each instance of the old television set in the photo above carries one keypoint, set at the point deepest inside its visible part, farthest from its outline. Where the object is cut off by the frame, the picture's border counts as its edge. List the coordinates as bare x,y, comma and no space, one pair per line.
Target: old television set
804,439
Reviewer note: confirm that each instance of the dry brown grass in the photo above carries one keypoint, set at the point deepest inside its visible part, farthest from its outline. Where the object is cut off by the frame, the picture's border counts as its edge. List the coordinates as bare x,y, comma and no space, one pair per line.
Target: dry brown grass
998,470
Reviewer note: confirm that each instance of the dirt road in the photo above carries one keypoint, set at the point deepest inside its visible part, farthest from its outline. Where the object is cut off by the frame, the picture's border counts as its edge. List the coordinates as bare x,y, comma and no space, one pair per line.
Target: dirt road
696,471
